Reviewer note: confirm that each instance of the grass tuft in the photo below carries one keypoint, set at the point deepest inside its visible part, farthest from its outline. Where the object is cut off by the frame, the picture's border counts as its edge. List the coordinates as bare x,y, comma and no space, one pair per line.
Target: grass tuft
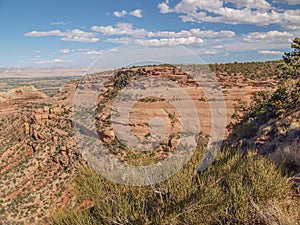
236,189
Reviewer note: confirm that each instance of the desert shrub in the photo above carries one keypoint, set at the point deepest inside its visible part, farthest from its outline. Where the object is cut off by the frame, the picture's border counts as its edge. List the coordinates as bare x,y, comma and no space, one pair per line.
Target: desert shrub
250,70
75,217
288,155
291,66
279,213
223,194
268,105
270,110
246,130
236,189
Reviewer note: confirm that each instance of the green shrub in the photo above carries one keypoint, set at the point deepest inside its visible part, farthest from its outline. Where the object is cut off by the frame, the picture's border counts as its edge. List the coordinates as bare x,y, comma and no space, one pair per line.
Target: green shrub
221,195
246,130
285,99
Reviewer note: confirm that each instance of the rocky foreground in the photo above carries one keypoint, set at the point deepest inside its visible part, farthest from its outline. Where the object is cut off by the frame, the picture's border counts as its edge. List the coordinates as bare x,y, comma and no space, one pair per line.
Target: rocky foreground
38,151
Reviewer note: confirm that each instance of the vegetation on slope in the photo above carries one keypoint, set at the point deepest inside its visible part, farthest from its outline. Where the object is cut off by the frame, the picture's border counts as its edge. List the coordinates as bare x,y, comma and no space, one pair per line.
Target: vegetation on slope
279,111
231,191
286,98
251,70
236,189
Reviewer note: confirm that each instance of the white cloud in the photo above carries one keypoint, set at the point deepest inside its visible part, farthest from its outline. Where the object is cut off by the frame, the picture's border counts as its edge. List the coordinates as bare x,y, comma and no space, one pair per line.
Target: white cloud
164,7
256,12
69,35
58,23
120,14
58,60
82,49
195,32
268,52
119,40
190,41
50,61
270,36
192,6
128,30
218,47
65,51
252,4
80,39
192,37
120,29
290,2
210,52
136,13
93,52
239,45
44,33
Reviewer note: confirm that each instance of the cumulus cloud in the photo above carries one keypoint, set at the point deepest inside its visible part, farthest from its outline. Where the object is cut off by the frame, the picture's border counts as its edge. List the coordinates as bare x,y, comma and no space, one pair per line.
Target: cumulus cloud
80,39
252,4
119,40
164,7
210,52
195,32
120,14
50,61
270,36
290,2
44,33
219,47
127,29
93,52
268,52
120,29
65,51
135,13
58,23
193,36
58,60
69,35
190,41
256,12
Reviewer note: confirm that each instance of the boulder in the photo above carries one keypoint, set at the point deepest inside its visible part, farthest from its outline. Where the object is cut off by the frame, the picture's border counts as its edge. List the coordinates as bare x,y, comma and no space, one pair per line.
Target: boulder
107,136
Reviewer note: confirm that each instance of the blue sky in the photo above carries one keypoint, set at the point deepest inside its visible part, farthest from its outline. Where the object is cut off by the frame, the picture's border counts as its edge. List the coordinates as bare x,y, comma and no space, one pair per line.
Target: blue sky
67,33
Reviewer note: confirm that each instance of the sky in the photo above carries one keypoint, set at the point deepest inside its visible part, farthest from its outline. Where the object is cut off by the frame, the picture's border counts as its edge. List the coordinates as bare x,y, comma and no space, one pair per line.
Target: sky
65,33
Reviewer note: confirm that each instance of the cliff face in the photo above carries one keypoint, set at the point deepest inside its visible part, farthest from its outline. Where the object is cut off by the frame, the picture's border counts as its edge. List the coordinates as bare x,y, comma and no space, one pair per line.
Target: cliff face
38,151
25,93
38,154
13,100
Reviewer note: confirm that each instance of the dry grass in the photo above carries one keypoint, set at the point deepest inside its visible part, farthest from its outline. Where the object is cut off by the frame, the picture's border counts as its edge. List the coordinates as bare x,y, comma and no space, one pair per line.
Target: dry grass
236,189
288,155
279,213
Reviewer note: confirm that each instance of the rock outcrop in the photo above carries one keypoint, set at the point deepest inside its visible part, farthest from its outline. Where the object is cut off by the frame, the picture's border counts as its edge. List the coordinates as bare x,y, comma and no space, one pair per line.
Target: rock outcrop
38,150
25,93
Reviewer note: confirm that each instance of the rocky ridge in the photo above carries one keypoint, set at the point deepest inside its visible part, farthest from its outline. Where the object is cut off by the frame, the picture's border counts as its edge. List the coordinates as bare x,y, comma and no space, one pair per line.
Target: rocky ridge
38,151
